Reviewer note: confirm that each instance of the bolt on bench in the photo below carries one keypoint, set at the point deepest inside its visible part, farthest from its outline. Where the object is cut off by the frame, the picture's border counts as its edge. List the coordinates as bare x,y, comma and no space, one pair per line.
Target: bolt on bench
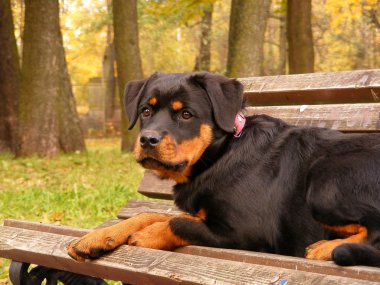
346,101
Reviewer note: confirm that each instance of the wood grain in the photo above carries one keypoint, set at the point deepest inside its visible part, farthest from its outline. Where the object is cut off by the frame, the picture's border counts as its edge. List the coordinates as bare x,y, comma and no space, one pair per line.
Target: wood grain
342,117
294,263
359,86
153,187
135,207
146,266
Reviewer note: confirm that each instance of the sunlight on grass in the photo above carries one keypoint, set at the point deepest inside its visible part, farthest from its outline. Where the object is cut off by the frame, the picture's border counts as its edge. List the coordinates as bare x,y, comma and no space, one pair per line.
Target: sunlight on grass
82,190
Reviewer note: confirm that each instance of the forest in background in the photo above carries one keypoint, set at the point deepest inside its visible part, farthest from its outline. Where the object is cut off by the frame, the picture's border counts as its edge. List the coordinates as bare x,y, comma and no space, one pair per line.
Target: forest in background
51,51
346,36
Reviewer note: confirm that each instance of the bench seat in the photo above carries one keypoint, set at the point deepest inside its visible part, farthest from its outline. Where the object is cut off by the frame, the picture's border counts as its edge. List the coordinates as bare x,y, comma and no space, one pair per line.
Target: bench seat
45,244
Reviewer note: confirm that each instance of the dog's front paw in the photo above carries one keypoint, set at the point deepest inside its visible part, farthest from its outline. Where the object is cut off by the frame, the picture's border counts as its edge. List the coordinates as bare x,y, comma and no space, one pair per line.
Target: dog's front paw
157,236
322,250
92,245
152,236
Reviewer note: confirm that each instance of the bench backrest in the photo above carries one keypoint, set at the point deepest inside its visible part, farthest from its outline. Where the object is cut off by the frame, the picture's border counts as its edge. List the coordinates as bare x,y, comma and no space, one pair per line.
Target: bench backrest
348,101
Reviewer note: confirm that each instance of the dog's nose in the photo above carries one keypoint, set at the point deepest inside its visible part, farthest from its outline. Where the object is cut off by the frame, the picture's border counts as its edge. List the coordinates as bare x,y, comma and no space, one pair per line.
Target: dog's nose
149,139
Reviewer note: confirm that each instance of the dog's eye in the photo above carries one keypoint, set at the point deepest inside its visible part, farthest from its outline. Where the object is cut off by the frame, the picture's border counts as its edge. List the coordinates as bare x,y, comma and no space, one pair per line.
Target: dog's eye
186,115
146,112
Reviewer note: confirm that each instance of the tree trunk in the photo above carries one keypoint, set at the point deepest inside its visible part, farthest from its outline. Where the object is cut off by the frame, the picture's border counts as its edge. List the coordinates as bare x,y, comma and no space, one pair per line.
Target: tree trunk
109,81
71,137
48,122
246,37
300,37
9,78
282,47
109,70
127,57
202,62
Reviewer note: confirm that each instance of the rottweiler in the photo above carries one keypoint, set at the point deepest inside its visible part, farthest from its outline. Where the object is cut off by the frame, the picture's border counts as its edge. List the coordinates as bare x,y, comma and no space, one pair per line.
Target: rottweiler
253,183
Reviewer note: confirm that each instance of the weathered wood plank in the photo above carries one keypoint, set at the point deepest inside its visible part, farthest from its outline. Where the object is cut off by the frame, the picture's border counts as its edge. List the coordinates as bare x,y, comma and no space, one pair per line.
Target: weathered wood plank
146,266
294,263
135,207
55,229
47,228
342,117
153,187
359,86
289,262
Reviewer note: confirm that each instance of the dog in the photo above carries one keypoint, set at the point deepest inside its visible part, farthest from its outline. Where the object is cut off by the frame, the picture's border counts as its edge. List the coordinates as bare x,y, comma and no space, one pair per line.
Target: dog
252,183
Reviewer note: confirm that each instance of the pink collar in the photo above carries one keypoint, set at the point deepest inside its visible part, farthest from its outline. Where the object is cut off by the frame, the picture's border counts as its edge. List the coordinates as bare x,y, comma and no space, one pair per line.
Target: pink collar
239,124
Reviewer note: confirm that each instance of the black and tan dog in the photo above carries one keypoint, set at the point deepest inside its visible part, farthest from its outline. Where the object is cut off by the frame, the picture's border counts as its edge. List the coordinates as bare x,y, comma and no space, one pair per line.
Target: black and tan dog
268,187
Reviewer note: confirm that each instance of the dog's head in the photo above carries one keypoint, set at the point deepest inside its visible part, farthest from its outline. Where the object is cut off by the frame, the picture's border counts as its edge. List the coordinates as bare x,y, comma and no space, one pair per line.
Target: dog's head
181,115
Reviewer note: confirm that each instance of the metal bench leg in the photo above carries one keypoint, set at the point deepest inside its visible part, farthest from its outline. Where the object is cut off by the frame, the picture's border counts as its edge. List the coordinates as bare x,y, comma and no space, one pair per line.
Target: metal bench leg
18,273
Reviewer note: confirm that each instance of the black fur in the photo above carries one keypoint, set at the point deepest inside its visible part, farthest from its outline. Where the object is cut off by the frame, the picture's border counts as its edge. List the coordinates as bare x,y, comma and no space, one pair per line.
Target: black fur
269,189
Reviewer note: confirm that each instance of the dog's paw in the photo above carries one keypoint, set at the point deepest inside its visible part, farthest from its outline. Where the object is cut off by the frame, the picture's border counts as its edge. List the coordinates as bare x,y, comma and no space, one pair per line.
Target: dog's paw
152,236
92,245
157,236
322,250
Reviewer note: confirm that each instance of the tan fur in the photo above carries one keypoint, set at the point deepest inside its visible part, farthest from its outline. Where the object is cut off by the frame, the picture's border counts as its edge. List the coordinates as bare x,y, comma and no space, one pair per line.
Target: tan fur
168,151
177,105
323,249
152,101
111,237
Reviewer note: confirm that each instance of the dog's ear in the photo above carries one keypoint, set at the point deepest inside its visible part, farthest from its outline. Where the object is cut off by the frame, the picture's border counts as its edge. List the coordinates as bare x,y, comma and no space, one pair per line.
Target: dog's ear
226,96
132,96
134,91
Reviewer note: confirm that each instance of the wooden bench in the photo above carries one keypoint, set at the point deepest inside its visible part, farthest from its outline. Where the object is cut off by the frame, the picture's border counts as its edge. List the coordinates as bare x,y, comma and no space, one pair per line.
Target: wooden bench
351,103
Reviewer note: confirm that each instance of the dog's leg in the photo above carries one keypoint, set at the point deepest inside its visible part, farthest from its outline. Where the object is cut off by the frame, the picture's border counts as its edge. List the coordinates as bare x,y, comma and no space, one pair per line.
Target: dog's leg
343,193
322,250
96,243
179,231
157,236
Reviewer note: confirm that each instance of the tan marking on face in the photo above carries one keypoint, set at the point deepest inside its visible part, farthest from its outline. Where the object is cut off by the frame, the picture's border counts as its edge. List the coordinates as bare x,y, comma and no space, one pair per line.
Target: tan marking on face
169,152
177,105
152,101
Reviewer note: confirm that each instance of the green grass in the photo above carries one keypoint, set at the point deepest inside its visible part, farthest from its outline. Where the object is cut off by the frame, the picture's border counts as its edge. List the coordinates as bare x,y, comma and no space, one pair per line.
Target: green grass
82,189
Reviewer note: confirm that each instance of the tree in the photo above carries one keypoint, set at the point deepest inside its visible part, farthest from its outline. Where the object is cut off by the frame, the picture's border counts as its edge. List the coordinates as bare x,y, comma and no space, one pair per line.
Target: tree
202,61
246,37
70,131
48,122
9,78
127,56
109,70
300,37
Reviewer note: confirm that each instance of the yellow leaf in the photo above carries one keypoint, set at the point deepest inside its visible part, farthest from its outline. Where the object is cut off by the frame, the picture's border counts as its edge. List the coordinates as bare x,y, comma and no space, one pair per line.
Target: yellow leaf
56,216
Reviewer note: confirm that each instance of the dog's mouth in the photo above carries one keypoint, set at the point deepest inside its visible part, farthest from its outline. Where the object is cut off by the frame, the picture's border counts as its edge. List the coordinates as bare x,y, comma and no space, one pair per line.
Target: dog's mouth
152,163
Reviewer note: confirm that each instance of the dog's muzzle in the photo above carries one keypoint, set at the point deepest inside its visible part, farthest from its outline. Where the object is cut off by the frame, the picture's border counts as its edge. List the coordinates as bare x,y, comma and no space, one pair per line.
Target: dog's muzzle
150,139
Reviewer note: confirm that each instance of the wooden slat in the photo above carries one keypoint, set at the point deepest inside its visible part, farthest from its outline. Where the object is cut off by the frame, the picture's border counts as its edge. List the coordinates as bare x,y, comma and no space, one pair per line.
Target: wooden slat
289,262
153,187
342,117
135,207
137,265
359,86
47,228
